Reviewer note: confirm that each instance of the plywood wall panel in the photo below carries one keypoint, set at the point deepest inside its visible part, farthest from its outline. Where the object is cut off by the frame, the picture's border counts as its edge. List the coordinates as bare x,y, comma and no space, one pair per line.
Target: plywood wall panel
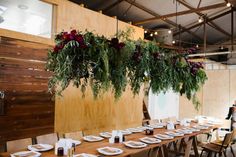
216,96
85,19
75,113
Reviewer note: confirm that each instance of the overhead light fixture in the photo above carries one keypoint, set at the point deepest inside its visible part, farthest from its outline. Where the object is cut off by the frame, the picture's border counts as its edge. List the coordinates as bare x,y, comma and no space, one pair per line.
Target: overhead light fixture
197,46
169,31
151,35
156,33
200,20
23,7
228,4
173,42
145,31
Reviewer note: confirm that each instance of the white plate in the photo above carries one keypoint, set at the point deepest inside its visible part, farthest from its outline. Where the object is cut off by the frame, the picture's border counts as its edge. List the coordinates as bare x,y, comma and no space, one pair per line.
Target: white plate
155,126
126,132
163,137
135,130
150,140
92,138
24,154
84,155
184,132
110,151
174,134
40,147
135,144
200,127
106,134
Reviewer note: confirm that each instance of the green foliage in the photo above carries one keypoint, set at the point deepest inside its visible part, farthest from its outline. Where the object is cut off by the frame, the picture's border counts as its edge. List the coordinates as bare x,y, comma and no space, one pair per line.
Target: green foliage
88,59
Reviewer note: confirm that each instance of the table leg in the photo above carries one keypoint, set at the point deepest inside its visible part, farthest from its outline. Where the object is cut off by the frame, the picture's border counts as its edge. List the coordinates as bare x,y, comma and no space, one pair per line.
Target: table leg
195,146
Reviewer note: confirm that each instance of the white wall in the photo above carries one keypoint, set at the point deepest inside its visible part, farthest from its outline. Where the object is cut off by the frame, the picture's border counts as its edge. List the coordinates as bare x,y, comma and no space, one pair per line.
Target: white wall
163,105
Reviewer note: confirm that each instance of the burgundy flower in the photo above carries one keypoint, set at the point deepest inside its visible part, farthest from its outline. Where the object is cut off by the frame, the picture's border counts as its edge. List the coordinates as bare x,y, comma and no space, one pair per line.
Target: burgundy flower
73,31
56,49
79,38
156,55
120,45
137,56
114,41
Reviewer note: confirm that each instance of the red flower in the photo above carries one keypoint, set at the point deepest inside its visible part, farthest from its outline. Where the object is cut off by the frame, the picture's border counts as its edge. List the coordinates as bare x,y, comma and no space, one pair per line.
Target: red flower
73,32
79,38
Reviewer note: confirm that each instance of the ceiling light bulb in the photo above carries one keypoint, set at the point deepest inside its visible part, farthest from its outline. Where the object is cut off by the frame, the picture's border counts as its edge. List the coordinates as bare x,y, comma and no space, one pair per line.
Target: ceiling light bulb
200,20
173,42
145,31
151,35
228,4
197,46
169,31
155,33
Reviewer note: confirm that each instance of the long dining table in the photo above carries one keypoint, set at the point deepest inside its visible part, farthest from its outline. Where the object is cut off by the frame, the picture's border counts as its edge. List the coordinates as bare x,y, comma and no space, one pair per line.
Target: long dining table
91,147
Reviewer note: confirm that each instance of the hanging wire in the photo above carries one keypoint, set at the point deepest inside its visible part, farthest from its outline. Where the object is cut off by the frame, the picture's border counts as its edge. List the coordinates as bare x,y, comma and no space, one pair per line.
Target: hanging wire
117,21
126,11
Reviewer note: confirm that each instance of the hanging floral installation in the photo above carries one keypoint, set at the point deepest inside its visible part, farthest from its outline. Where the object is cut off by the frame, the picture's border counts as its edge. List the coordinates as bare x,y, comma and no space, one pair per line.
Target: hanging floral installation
86,59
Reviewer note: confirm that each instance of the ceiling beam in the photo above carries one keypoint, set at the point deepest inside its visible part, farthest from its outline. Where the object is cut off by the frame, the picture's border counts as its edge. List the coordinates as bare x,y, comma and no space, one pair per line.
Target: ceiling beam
157,15
214,6
208,20
211,23
112,5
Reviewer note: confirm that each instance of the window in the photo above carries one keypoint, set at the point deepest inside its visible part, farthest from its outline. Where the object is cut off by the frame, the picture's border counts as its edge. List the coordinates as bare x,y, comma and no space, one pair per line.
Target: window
26,16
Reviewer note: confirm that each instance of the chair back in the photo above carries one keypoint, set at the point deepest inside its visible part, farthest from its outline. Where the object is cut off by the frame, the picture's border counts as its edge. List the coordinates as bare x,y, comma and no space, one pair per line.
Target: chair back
154,121
165,120
47,139
173,119
226,125
74,135
227,139
17,145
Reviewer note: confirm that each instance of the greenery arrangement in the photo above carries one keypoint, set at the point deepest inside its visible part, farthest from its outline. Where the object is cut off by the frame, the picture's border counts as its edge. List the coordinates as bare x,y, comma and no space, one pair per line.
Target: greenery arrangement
84,58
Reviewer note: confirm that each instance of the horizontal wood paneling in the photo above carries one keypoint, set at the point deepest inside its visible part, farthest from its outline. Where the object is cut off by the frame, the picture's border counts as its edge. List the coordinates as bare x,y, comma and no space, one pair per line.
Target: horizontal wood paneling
28,106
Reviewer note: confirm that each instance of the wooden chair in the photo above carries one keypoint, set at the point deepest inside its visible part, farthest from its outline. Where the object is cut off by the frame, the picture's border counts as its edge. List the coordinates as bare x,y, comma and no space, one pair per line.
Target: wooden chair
74,135
219,142
165,120
17,145
218,149
47,139
154,121
173,119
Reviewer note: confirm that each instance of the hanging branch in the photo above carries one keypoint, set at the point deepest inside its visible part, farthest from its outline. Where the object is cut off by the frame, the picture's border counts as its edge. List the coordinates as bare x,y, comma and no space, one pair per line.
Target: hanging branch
83,58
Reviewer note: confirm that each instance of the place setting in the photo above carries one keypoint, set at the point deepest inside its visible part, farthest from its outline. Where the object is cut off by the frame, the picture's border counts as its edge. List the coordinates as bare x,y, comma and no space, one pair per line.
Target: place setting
174,134
110,151
135,144
150,140
26,154
163,137
84,155
105,134
40,147
92,138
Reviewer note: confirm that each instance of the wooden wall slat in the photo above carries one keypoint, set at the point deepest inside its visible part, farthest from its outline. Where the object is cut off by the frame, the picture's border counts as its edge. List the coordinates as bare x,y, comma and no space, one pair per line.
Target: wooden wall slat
29,108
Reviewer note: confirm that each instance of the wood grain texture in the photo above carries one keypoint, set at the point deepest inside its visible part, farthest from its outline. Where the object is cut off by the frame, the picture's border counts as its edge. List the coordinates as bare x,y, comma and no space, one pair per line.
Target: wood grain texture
73,113
93,21
29,110
92,116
